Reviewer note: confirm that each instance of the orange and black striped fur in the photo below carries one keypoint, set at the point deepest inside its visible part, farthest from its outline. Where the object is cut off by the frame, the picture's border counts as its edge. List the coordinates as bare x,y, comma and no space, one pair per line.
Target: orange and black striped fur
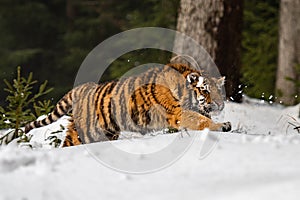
171,96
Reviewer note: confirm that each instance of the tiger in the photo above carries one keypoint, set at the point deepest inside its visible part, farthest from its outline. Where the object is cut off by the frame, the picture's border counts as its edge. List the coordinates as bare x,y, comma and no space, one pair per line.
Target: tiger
175,95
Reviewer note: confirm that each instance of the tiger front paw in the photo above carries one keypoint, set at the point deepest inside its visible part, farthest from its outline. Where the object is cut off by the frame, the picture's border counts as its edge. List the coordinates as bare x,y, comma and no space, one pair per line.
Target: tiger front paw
226,127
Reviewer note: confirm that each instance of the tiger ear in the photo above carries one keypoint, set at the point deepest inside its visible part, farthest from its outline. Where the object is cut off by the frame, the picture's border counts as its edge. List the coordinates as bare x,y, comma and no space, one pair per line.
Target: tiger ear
192,77
221,81
175,59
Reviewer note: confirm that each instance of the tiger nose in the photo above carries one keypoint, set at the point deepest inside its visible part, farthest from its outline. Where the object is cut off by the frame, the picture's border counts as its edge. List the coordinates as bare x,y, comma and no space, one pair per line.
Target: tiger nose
201,98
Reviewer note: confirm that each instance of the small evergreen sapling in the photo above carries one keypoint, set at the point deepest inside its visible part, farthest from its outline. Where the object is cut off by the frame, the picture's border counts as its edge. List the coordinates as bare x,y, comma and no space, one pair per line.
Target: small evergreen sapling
23,106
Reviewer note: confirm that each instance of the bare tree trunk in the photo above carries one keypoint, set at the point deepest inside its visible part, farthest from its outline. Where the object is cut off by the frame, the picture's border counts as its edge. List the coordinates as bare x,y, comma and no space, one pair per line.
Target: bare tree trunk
217,26
289,51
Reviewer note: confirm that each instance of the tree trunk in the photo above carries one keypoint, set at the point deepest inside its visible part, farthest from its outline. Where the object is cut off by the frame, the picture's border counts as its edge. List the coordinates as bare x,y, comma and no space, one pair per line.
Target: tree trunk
289,51
216,25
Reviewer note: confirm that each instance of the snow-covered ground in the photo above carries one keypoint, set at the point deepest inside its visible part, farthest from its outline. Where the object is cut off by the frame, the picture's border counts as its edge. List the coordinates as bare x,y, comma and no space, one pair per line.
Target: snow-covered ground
259,159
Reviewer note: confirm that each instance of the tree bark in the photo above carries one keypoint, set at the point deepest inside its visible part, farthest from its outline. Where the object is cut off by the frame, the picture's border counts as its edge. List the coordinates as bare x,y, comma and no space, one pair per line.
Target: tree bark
217,26
289,51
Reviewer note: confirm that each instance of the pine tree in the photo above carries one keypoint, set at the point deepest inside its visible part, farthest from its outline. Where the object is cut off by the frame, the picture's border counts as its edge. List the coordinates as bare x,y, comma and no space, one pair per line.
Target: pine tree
21,102
260,47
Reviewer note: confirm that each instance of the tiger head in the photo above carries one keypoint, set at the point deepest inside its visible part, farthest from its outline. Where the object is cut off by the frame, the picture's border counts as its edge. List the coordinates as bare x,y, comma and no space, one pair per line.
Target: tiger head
216,93
201,89
208,92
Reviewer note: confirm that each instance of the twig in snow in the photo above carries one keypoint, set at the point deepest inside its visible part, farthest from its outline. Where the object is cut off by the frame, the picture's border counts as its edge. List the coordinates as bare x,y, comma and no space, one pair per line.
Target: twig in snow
241,129
295,124
297,128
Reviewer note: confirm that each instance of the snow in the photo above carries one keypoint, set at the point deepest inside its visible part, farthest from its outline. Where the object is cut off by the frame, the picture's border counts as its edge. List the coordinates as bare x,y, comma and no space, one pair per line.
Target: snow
257,160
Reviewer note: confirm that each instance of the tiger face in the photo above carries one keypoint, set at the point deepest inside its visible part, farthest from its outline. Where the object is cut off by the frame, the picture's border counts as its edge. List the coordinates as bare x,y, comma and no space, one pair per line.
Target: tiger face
216,94
201,89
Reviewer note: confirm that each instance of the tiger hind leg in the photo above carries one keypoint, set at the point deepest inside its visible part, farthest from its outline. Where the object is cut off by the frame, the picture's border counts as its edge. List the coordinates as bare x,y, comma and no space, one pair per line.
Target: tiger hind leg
72,138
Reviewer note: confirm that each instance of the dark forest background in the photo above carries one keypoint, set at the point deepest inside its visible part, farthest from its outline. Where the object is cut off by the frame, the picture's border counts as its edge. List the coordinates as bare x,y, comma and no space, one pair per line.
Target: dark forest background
52,37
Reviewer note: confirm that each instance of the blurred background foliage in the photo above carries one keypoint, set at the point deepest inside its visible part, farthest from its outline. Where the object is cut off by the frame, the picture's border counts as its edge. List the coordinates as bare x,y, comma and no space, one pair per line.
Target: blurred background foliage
260,47
52,38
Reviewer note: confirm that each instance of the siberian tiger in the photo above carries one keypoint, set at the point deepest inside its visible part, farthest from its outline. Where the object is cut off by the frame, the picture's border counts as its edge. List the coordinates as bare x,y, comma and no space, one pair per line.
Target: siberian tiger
174,96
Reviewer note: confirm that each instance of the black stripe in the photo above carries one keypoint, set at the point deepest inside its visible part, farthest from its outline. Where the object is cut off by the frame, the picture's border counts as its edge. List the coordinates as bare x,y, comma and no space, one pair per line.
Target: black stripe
102,105
36,124
122,114
80,94
153,87
44,122
118,86
179,68
108,92
55,112
173,67
65,108
61,108
87,132
152,81
173,99
134,113
68,141
148,78
111,116
123,101
179,89
146,106
70,96
50,118
190,94
111,87
64,100
130,85
98,92
148,118
112,122
153,93
28,128
114,108
146,96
